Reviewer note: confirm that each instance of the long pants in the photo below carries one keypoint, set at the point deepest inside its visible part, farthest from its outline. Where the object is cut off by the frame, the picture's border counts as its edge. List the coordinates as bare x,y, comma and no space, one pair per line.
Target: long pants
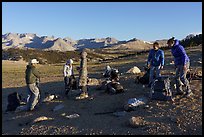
33,96
67,83
181,77
152,72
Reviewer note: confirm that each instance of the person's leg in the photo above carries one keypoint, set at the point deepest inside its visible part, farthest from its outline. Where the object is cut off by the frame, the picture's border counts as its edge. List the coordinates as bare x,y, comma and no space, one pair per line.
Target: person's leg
184,79
29,97
157,71
34,96
151,75
66,82
179,89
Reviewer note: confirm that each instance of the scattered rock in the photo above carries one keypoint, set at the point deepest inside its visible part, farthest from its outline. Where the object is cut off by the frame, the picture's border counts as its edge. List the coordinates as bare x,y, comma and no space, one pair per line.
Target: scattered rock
137,121
200,62
42,118
72,116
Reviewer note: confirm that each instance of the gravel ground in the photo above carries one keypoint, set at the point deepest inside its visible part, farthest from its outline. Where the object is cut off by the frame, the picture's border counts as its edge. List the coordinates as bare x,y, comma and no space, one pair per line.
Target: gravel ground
183,116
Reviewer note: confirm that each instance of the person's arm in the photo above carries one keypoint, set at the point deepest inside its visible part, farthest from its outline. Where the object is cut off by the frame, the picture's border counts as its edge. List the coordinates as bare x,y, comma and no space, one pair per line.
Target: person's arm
65,69
149,58
36,73
162,58
183,56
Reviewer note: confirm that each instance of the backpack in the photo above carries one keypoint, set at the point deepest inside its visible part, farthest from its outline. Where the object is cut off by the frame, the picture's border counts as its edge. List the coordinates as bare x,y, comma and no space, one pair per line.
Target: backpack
145,78
73,82
160,89
114,75
114,87
14,100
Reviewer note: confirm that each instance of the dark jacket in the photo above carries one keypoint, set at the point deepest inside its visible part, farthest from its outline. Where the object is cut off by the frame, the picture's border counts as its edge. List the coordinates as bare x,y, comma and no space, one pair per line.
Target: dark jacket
179,53
156,57
31,74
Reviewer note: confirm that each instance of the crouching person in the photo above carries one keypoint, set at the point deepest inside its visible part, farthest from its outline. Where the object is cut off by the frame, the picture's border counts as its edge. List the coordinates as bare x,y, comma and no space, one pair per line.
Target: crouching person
114,85
68,75
32,77
107,72
83,76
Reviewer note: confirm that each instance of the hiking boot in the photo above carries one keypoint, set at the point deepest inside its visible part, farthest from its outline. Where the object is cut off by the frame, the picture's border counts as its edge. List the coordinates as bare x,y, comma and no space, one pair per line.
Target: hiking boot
188,94
83,96
179,93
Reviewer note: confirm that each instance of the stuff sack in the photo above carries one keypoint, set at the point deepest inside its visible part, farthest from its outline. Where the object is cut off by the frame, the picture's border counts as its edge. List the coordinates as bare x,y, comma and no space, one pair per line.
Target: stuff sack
160,89
114,87
14,100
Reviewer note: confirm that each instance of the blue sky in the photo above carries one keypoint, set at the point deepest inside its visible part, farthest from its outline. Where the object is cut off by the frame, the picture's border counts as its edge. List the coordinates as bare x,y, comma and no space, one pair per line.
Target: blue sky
122,20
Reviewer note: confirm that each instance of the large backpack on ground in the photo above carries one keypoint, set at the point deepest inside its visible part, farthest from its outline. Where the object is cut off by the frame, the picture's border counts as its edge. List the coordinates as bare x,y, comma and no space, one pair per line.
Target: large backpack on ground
160,89
143,79
114,87
14,100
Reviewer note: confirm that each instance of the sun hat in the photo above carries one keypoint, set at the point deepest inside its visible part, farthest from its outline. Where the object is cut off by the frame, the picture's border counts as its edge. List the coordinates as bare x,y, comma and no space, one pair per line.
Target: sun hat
34,61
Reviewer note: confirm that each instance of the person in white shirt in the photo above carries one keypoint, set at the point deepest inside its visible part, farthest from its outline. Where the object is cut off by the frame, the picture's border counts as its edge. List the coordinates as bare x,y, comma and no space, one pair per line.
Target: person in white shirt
68,75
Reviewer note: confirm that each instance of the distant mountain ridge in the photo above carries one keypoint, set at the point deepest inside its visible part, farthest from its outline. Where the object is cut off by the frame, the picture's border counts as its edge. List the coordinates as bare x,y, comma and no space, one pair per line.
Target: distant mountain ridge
31,40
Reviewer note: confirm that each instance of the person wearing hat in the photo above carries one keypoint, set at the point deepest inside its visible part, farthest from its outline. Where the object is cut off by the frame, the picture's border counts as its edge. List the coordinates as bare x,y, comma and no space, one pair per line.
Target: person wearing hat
83,74
32,76
182,63
68,75
155,62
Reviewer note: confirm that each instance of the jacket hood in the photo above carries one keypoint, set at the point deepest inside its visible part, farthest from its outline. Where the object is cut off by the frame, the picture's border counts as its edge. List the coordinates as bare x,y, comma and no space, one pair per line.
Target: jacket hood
176,42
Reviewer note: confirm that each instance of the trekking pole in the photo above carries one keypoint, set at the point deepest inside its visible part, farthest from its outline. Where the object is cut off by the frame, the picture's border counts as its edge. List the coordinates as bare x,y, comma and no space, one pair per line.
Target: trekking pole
101,113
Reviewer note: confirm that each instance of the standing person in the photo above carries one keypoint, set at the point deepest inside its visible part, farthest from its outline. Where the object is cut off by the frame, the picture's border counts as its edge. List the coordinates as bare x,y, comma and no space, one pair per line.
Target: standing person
182,63
68,75
32,77
155,62
83,76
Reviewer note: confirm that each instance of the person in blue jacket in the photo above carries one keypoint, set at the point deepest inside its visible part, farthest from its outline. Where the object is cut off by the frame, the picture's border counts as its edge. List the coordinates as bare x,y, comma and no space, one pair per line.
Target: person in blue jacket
155,62
182,63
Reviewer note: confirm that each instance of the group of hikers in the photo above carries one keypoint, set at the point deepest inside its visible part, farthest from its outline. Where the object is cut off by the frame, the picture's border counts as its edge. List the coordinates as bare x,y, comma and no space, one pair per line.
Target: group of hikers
155,63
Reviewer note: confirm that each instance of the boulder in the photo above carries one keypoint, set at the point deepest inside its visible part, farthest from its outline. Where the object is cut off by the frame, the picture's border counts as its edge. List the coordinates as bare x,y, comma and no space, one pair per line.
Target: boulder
93,81
42,118
134,70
